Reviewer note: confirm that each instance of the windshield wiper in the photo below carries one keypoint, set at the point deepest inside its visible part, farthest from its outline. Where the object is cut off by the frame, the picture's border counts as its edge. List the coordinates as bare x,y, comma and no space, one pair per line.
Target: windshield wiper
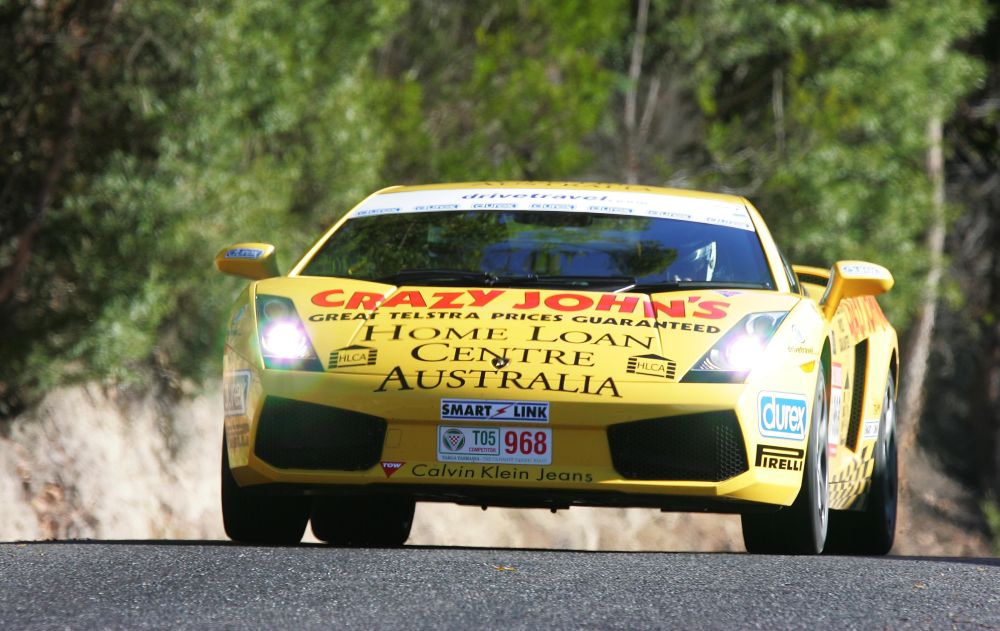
682,285
442,276
560,281
435,276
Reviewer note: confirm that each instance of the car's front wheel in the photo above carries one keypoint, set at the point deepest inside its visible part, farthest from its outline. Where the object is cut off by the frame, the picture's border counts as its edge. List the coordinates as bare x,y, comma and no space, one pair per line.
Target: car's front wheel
800,528
374,520
250,517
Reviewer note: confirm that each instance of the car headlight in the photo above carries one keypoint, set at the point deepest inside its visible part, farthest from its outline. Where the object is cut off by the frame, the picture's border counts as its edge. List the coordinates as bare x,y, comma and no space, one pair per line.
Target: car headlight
284,342
736,352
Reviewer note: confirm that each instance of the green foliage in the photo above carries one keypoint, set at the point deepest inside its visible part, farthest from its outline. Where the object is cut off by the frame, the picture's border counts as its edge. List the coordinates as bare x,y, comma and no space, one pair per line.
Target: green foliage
494,89
819,113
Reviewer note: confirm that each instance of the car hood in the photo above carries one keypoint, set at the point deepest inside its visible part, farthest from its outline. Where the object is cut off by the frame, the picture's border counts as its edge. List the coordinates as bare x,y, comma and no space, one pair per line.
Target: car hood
371,328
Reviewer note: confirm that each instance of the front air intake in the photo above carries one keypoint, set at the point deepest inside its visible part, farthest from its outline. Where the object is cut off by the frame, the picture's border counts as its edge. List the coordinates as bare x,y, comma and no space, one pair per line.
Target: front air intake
705,447
298,435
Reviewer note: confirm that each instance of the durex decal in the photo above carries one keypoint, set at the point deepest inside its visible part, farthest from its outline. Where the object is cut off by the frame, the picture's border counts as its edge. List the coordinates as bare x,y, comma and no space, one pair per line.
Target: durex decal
781,415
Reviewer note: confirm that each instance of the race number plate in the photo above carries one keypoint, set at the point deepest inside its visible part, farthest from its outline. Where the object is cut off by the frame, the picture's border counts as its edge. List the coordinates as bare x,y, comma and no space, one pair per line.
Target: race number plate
494,445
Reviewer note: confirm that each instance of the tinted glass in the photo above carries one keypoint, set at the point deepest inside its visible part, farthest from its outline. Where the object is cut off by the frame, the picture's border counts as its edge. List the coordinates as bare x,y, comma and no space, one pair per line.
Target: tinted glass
546,243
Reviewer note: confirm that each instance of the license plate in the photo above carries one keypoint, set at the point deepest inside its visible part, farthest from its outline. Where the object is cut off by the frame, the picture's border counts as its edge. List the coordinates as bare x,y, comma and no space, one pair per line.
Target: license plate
494,445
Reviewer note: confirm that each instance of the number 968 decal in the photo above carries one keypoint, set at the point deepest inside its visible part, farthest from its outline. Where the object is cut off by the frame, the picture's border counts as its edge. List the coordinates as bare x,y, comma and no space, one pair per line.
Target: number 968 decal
494,445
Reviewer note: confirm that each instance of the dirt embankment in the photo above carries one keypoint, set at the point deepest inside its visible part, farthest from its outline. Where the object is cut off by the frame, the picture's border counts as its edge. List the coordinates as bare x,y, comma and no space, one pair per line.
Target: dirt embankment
88,463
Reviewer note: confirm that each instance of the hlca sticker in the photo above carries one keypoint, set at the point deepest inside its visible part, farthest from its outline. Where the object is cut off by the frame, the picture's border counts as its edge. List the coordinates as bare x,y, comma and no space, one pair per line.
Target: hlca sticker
782,415
353,356
652,365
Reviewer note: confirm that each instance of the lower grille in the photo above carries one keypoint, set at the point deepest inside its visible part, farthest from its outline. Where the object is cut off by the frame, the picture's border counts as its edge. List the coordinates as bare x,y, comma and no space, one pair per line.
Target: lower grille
705,447
298,435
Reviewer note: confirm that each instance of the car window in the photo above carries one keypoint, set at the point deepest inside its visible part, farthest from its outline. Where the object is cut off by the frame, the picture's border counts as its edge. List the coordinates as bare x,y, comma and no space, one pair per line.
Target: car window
544,243
793,278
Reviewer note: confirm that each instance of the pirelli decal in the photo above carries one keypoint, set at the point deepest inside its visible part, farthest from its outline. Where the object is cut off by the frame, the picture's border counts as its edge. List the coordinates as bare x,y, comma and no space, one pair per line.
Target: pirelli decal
782,458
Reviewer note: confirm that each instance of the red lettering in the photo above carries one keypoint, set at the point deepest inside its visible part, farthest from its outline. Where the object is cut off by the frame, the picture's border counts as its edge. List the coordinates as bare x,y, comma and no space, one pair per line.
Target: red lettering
625,305
871,307
531,301
446,300
364,300
713,309
578,302
853,319
654,307
412,298
482,298
322,299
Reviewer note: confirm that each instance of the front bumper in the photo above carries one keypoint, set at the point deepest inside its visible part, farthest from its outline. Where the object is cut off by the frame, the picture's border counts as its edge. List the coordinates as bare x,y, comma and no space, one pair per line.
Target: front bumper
584,469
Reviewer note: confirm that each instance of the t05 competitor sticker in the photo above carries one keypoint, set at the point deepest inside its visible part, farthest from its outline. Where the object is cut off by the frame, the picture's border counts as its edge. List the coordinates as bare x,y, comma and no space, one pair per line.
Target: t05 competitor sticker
489,410
781,415
494,445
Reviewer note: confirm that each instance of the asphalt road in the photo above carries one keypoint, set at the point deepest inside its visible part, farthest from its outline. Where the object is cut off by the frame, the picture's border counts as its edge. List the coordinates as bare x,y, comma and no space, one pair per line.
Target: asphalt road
203,585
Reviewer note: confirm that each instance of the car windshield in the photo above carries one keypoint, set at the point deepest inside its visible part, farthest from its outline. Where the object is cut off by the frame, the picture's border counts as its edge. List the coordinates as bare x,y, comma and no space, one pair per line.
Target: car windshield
542,248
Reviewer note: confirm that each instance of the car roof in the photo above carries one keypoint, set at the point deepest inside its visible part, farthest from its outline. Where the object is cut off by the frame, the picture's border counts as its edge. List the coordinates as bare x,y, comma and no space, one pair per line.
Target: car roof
613,199
571,186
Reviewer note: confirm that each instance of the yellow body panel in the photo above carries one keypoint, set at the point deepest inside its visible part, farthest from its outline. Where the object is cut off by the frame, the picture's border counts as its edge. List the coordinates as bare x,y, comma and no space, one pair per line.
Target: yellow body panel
397,352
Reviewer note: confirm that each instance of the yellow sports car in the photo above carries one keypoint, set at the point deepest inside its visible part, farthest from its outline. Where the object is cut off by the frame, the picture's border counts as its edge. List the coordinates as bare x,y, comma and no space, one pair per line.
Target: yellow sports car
549,344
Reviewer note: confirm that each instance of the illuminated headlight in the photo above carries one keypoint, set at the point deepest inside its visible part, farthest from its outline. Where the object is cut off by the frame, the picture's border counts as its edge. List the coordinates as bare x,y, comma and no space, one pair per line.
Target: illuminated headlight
283,339
736,352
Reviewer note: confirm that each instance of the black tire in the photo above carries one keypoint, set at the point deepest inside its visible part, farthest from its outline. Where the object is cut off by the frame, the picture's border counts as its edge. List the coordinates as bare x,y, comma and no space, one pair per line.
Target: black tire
381,521
873,530
256,518
800,528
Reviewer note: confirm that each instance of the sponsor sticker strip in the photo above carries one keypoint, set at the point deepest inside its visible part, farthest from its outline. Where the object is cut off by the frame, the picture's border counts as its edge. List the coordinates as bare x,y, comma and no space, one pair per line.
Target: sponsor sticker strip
494,445
492,410
352,356
604,202
781,458
244,253
236,386
781,415
836,402
870,431
652,365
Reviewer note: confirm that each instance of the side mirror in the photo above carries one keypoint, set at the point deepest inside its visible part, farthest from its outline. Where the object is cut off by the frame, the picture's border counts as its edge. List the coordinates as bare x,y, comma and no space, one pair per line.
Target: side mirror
255,261
849,279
